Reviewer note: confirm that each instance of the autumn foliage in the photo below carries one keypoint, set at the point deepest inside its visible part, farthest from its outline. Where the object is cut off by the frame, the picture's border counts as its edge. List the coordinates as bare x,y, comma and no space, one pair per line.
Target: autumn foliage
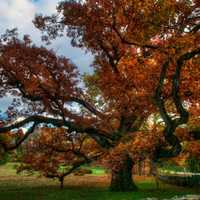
146,61
54,153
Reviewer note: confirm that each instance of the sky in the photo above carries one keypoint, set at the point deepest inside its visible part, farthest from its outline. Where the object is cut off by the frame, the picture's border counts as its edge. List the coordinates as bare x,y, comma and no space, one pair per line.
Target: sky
20,13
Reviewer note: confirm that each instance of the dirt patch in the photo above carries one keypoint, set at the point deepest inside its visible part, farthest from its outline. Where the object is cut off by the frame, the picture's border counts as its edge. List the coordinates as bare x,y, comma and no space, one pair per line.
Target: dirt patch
71,180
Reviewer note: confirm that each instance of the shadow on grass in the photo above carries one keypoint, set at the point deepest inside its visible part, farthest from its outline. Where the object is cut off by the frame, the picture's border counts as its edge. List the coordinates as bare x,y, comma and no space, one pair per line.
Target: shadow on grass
13,191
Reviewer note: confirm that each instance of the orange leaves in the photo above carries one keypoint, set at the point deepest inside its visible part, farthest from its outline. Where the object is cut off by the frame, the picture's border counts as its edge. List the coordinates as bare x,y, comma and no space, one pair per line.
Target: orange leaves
183,134
130,40
138,145
6,138
54,148
193,148
38,73
180,159
144,144
121,34
31,85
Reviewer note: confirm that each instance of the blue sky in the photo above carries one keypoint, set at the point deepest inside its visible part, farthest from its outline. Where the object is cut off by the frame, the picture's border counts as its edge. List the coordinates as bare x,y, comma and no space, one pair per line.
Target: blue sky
20,13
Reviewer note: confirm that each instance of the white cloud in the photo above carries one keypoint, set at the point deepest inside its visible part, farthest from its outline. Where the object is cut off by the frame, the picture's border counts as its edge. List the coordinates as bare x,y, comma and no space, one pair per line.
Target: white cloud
46,6
20,13
16,13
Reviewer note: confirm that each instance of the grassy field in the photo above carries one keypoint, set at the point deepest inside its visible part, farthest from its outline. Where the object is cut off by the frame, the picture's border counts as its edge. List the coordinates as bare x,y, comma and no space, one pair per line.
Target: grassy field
88,187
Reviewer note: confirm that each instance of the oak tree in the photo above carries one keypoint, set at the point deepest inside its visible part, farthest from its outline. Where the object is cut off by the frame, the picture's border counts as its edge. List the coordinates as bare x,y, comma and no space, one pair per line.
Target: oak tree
54,153
162,34
146,58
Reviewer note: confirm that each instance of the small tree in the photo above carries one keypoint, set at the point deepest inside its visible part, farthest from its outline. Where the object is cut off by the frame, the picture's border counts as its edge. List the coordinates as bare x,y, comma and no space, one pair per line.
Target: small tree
55,153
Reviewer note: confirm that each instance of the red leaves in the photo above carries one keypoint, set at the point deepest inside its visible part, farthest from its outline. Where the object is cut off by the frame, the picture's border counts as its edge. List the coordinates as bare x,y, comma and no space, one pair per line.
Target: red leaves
193,148
131,41
138,145
37,72
52,148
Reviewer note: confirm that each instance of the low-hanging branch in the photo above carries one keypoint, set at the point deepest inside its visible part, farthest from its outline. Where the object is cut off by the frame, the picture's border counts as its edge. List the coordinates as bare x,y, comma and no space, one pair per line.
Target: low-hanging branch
73,168
20,141
98,135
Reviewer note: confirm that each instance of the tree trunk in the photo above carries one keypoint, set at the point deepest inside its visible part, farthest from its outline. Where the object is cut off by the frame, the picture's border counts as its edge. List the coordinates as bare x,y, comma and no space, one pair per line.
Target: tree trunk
122,177
61,179
140,168
154,172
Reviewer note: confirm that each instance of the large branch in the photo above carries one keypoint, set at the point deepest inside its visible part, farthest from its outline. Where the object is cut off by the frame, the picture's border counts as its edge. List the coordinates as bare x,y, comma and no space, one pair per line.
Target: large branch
80,101
158,95
113,61
196,28
171,125
17,83
127,41
87,105
21,140
85,161
99,136
176,87
170,128
75,167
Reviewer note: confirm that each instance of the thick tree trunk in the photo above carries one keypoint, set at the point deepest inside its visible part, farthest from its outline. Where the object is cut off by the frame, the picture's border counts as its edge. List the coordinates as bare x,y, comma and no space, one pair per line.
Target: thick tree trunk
122,178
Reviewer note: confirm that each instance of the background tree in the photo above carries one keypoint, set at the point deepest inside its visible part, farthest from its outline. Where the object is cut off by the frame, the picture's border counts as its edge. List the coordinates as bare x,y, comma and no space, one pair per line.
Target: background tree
54,153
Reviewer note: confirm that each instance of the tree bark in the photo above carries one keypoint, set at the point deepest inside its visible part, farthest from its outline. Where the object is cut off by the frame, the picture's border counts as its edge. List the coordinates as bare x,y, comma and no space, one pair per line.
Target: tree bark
154,172
61,179
121,179
140,168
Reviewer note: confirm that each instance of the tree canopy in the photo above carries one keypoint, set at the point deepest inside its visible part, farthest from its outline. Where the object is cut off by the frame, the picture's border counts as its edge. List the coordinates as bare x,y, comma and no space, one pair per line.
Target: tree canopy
146,62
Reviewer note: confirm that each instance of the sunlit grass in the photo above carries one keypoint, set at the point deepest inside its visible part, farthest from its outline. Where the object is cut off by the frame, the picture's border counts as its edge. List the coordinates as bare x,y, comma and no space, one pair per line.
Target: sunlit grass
88,187
96,170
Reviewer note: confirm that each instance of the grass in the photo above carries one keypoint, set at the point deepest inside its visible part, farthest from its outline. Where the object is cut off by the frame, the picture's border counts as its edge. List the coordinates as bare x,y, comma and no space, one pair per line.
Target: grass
88,187
173,168
97,171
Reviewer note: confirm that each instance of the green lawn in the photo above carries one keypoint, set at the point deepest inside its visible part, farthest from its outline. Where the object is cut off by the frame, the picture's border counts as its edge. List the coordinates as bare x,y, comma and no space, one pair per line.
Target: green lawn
97,171
13,187
170,167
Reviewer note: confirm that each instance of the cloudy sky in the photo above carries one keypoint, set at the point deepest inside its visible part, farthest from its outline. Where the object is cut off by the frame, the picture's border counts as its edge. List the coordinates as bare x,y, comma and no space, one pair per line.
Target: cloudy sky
20,13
